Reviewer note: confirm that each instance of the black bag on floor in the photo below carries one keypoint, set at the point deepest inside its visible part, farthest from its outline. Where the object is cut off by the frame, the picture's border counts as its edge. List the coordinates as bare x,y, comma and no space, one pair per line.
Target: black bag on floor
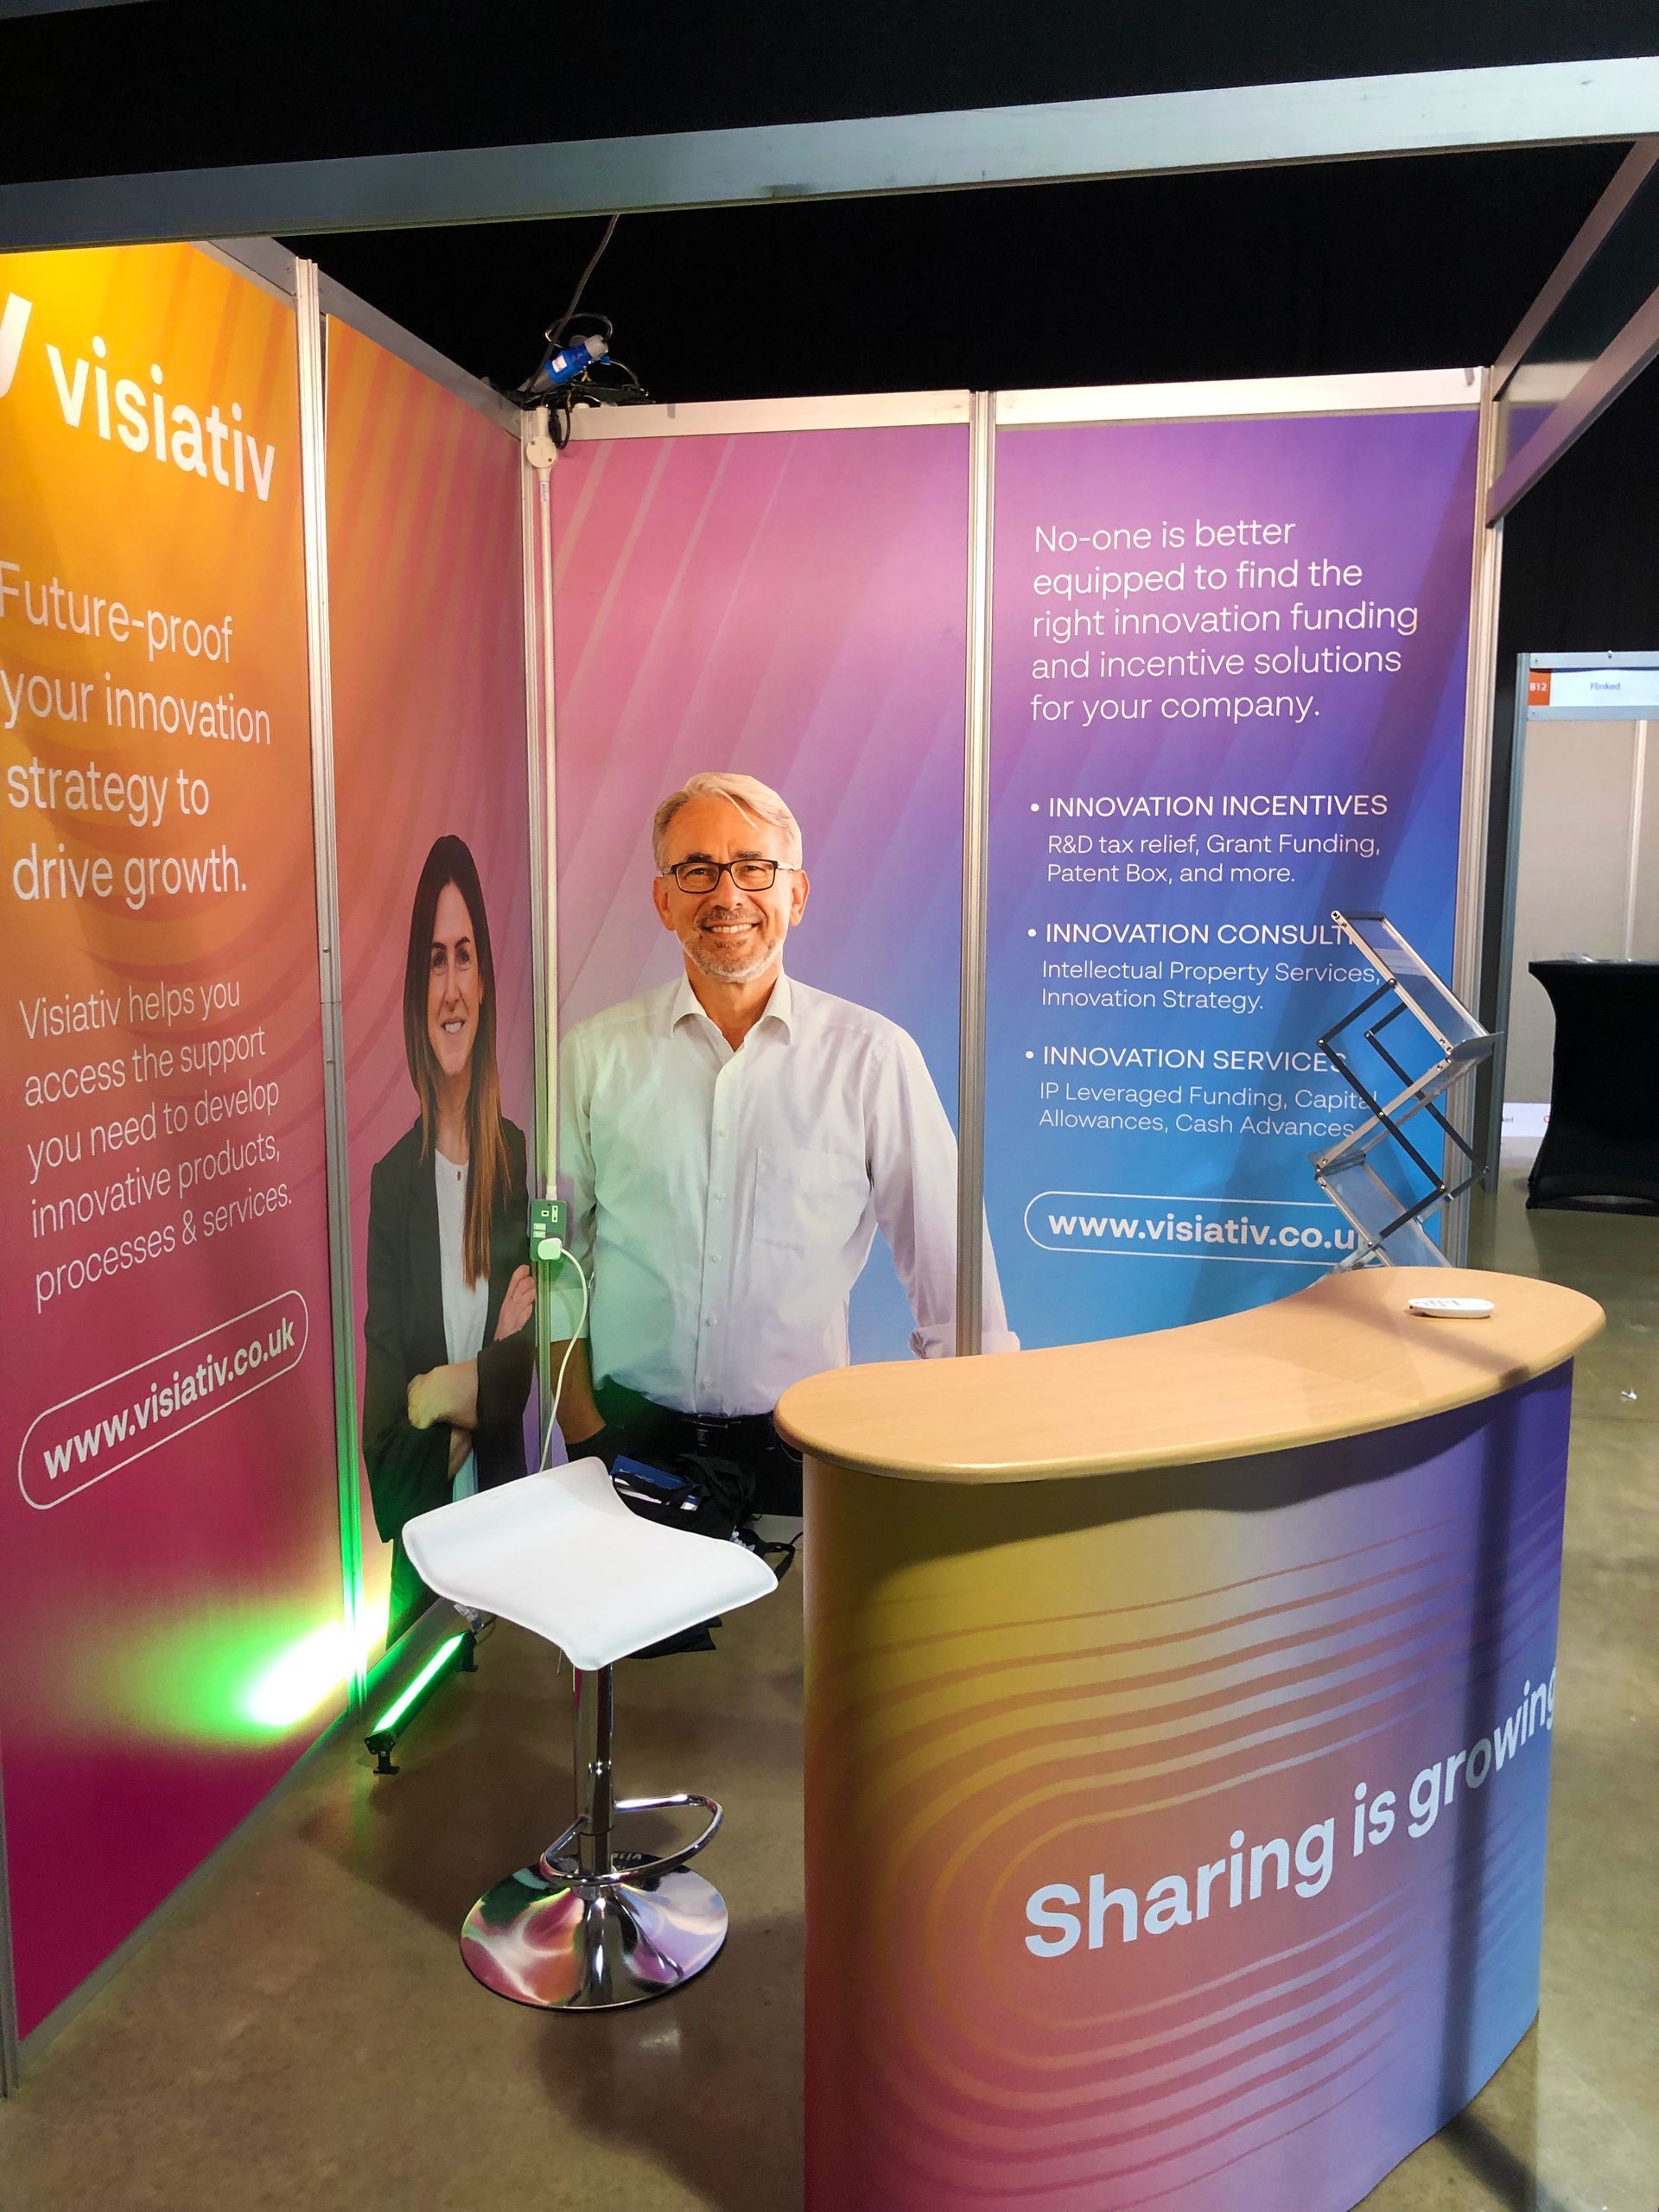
705,1494
708,1497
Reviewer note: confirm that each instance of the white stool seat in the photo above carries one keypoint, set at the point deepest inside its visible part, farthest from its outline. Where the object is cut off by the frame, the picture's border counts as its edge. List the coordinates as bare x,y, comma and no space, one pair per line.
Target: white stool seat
562,1555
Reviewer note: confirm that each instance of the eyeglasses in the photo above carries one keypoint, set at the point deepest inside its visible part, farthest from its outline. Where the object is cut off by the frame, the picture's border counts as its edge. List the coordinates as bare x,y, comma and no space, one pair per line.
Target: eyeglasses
697,877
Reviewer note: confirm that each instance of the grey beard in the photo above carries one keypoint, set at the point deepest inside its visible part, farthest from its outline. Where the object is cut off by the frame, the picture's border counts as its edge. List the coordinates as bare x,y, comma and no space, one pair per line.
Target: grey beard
701,956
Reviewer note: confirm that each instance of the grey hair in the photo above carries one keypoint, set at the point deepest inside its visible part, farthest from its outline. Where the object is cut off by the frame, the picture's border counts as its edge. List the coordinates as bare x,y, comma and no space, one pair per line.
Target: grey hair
748,792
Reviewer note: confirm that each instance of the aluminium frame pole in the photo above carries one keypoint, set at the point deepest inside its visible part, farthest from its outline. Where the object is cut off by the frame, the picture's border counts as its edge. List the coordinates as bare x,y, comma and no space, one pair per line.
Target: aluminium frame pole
314,508
1508,861
976,820
1638,780
550,833
10,2064
1480,704
545,859
536,774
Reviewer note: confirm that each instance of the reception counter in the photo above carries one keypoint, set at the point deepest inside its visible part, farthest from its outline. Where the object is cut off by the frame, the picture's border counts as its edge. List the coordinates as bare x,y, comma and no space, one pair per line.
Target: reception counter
1179,1713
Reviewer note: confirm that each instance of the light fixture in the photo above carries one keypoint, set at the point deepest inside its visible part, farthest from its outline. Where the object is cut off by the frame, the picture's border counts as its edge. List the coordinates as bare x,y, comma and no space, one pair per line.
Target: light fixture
455,1655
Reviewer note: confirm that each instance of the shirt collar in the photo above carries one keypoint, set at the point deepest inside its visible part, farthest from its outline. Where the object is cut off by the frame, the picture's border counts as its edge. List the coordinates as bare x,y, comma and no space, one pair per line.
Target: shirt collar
780,1007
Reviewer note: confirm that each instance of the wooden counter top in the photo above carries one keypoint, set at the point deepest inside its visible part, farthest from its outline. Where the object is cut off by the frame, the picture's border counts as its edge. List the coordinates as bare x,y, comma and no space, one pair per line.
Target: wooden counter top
1338,1359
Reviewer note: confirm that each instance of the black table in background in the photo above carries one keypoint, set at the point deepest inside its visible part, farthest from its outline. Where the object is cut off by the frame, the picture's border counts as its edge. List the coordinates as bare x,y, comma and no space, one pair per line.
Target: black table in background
1603,1139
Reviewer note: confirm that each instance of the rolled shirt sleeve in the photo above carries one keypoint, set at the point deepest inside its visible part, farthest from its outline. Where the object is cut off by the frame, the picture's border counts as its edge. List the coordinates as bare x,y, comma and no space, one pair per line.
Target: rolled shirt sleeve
913,1165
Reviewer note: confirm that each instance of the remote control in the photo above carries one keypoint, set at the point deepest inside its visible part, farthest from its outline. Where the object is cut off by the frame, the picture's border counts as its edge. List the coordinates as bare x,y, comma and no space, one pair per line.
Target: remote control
1452,1309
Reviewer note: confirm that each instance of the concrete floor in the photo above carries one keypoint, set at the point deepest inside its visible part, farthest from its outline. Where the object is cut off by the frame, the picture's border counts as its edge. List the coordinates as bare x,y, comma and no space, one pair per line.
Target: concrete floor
302,2032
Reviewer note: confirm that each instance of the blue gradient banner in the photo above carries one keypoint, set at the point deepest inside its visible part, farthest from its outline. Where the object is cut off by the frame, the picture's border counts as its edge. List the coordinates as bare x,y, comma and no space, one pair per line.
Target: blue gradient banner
1228,694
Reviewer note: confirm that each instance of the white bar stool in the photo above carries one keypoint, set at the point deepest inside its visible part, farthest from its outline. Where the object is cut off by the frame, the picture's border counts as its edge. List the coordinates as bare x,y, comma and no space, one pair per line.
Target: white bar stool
559,1552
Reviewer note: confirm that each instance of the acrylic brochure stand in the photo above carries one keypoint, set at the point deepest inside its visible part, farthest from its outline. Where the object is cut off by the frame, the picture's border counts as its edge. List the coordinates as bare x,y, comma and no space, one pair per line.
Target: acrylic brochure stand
1393,1229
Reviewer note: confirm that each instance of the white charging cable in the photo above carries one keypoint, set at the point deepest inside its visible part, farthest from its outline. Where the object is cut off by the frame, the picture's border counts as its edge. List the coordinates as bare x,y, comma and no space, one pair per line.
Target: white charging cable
550,1251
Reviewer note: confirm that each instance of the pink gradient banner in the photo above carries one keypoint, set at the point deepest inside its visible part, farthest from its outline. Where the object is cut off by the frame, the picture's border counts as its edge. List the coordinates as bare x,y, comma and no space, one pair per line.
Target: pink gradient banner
169,1525
426,620
789,605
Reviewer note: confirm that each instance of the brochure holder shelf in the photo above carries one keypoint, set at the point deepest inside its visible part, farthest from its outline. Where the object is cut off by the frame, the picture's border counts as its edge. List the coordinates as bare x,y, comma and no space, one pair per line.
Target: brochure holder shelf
1393,1231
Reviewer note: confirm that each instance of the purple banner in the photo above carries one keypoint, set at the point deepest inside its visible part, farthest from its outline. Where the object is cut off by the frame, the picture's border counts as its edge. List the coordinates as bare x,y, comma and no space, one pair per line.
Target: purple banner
1229,695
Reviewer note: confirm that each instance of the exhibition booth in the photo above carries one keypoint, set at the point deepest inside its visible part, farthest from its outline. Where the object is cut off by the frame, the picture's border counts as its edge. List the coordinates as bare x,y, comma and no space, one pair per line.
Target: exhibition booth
1579,949
1095,709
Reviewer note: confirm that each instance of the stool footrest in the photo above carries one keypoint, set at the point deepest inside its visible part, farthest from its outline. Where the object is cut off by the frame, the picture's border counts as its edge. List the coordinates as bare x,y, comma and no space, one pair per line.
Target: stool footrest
637,1870
675,1803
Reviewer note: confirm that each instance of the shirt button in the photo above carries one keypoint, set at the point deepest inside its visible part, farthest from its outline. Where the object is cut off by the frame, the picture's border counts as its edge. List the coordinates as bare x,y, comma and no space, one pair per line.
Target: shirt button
717,1194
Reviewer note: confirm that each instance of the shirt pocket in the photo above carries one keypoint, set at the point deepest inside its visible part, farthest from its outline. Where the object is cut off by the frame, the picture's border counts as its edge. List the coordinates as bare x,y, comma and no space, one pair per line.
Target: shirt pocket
807,1202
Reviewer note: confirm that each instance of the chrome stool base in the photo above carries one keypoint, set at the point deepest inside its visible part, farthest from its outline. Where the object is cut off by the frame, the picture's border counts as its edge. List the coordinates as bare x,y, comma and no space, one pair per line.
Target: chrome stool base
552,1937
588,1928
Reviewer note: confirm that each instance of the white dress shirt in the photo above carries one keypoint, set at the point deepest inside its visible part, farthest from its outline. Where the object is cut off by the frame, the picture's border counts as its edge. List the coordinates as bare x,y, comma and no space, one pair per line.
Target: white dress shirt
725,1201
465,1310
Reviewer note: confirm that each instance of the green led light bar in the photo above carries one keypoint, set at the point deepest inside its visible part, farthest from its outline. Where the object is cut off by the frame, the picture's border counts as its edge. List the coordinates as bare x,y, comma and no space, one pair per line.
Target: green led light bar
384,1734
434,1667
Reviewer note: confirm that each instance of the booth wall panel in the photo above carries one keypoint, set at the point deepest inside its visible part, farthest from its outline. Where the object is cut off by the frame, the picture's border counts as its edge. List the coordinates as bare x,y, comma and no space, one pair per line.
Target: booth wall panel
791,605
161,1557
427,641
1131,1168
1572,879
1645,905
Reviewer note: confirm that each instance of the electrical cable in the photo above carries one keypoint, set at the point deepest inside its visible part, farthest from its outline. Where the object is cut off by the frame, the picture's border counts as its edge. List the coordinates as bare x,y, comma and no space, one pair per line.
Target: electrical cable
611,361
582,281
604,382
558,1388
586,390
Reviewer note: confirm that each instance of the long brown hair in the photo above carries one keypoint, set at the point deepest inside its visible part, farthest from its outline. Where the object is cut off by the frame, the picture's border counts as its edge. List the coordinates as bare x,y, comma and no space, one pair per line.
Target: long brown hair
487,1173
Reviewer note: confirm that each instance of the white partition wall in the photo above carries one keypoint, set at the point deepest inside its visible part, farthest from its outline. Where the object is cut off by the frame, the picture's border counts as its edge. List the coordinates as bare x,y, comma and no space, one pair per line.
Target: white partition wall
1584,863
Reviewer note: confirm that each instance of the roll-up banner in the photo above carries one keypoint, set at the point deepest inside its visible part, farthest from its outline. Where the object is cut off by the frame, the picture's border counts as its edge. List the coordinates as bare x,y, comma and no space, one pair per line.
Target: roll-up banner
168,1538
1229,665
787,605
432,817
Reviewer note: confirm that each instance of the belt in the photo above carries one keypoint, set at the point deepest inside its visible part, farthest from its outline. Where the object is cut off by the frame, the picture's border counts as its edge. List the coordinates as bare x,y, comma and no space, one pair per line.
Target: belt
713,1424
707,1430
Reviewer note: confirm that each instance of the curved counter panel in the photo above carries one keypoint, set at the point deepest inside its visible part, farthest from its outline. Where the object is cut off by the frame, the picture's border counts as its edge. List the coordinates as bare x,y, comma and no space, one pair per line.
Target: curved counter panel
1179,1750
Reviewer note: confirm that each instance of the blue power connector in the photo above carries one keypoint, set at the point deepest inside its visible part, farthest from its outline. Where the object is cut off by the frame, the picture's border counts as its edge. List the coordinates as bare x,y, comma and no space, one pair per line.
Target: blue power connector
569,363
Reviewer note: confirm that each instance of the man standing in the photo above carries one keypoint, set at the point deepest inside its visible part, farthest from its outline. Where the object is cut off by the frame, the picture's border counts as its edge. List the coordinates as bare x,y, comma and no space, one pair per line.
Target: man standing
729,1145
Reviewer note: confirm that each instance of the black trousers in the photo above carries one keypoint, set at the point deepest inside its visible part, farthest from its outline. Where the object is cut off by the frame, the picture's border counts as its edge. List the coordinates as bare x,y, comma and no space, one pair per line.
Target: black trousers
662,1437
410,1596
